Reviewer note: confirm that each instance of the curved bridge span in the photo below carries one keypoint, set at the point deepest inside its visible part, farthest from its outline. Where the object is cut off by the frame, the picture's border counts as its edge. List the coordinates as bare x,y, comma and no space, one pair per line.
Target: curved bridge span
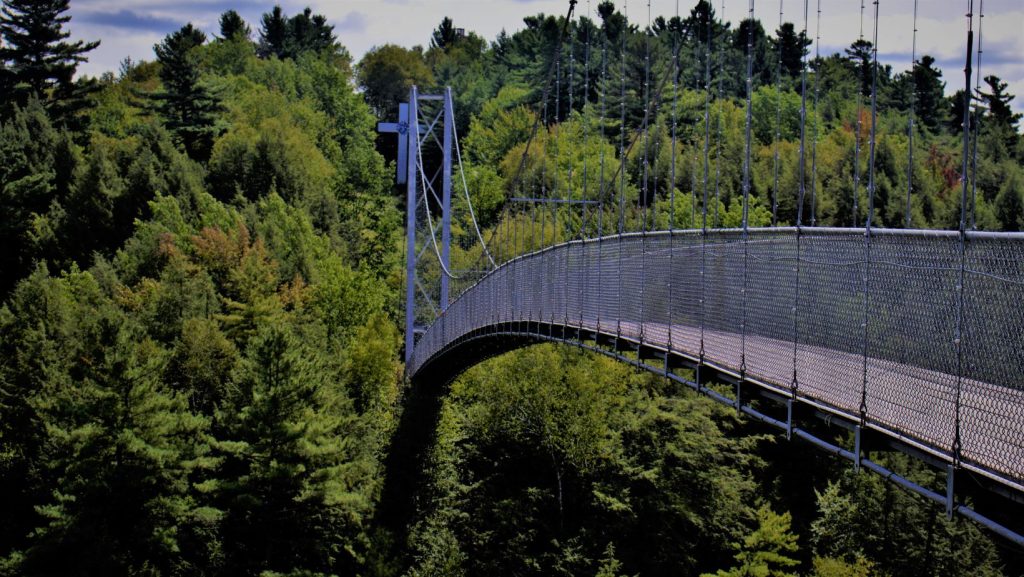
912,335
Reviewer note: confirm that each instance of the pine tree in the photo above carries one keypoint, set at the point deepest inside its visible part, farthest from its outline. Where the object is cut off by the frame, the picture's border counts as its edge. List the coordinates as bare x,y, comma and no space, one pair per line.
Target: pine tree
39,61
793,49
753,31
103,453
955,112
286,37
859,55
1000,114
296,473
1010,202
767,551
122,450
999,103
273,34
232,26
29,167
6,75
929,89
444,36
186,104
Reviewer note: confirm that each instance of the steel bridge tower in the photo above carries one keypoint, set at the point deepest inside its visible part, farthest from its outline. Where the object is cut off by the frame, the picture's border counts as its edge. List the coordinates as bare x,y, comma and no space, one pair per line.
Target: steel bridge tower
426,133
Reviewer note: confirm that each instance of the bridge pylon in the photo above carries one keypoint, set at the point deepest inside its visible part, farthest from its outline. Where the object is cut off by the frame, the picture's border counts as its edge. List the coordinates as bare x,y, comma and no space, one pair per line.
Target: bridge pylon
426,134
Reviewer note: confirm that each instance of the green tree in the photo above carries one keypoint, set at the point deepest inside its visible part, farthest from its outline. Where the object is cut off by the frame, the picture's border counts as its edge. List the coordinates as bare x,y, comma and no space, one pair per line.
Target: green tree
37,169
752,31
830,567
286,37
859,56
767,552
929,89
273,34
1002,116
445,35
38,61
502,124
610,565
386,74
308,32
201,364
110,453
123,451
188,107
955,112
232,26
998,101
791,46
296,475
1010,202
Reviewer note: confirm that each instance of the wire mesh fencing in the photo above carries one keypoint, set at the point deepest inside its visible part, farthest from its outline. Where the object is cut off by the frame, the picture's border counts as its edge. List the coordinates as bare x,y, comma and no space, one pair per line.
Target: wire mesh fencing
917,334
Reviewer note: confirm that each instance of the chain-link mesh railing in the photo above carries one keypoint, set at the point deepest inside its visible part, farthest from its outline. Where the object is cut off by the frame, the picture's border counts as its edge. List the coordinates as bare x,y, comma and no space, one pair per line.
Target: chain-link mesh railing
862,326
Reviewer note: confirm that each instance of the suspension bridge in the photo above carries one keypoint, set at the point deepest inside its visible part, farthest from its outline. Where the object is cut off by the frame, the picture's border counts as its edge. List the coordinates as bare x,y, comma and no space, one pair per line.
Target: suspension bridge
907,338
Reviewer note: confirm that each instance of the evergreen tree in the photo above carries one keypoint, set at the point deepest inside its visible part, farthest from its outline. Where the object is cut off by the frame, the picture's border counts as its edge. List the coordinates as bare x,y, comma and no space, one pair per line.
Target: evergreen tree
859,56
32,177
767,552
955,112
696,24
999,103
37,60
792,46
186,104
1010,202
613,22
1004,119
286,37
762,70
273,34
232,26
123,452
102,452
929,92
444,36
6,77
308,32
295,476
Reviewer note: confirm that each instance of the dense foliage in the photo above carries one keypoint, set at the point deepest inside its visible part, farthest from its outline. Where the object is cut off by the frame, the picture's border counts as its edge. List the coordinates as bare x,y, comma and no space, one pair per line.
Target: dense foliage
199,281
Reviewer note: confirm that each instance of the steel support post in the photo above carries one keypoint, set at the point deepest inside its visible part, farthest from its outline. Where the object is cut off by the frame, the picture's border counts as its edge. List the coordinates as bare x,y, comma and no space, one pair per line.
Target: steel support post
410,227
446,198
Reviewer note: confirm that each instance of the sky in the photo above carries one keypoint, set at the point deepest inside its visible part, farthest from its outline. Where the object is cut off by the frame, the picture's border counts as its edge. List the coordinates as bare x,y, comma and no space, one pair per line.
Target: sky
132,27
